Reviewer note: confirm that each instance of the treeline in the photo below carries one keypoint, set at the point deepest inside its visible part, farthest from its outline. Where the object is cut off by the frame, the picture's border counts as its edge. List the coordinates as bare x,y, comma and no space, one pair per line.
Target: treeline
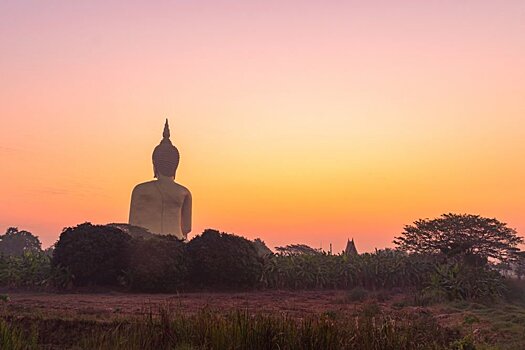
129,258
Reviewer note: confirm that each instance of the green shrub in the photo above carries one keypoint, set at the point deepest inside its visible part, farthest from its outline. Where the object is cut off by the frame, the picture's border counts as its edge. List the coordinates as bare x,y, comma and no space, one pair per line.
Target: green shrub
31,269
94,254
357,294
370,309
515,290
381,296
461,281
465,343
470,319
222,260
157,264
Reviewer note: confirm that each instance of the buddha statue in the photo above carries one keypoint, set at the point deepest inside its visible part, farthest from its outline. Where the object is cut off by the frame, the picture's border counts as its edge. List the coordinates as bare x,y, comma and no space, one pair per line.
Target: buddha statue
163,206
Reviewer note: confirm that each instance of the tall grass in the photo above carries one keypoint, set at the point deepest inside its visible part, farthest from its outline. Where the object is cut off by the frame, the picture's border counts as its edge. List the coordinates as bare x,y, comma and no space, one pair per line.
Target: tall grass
241,330
14,338
211,329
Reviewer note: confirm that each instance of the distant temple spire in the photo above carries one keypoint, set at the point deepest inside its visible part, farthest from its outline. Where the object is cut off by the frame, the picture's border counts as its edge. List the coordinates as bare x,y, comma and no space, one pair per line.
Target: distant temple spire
351,250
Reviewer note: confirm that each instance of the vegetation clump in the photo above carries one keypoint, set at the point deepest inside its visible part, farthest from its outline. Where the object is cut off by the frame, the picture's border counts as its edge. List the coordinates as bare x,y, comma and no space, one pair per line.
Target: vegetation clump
457,281
17,242
470,237
29,270
383,269
94,254
469,251
15,338
449,259
454,257
357,294
222,260
157,264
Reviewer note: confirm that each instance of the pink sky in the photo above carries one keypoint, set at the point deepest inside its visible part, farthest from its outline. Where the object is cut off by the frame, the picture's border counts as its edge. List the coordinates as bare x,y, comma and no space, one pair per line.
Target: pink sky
298,121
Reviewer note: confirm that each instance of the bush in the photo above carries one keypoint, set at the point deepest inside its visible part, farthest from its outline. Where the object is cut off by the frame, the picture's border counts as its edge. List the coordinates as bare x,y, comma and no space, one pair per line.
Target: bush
370,309
29,270
460,281
357,294
94,254
157,264
515,290
223,260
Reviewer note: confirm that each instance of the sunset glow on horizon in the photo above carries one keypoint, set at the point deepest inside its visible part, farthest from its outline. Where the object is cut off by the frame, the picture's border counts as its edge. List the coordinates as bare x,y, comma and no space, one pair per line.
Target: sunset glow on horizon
305,122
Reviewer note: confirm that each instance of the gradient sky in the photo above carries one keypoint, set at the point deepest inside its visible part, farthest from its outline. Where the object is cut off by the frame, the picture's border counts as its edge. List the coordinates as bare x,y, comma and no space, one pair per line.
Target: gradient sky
297,121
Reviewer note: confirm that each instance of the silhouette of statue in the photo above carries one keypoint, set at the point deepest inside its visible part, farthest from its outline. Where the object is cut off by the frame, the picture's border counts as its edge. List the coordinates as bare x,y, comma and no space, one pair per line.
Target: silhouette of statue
162,206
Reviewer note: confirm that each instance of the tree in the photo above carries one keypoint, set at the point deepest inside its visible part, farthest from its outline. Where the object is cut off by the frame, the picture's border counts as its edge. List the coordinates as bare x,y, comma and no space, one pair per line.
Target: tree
157,264
472,237
297,249
134,231
519,267
222,260
262,248
15,242
94,254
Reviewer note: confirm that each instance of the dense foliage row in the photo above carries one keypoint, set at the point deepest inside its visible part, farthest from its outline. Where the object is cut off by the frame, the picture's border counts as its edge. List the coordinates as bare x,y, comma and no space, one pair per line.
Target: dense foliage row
127,258
108,256
383,269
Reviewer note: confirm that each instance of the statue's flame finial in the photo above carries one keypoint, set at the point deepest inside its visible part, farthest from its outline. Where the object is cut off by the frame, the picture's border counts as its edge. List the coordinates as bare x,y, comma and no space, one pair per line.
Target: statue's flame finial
166,133
165,156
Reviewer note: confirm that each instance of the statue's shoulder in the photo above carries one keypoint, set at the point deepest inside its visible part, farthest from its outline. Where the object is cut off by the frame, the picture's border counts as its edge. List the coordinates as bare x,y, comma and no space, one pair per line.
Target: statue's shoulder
182,188
143,187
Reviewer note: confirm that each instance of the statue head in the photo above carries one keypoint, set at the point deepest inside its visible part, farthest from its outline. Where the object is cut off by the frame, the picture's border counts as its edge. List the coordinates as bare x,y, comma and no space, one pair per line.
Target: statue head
165,156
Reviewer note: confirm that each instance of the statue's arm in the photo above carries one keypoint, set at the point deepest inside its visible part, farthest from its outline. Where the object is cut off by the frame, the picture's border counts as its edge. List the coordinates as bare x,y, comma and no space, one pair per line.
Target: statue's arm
133,220
186,214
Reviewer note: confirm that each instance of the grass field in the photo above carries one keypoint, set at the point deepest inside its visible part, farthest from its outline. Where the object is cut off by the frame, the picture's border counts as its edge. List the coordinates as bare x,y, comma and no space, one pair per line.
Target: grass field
255,320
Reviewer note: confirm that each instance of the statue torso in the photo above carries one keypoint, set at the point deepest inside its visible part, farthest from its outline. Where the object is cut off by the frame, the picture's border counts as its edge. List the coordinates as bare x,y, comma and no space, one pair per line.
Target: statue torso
157,206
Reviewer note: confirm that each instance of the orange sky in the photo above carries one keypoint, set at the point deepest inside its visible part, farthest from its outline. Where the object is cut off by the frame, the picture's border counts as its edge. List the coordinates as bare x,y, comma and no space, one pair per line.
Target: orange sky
305,122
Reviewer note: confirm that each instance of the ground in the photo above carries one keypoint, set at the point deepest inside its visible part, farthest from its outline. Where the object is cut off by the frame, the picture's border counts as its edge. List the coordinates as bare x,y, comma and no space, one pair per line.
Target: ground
107,304
499,325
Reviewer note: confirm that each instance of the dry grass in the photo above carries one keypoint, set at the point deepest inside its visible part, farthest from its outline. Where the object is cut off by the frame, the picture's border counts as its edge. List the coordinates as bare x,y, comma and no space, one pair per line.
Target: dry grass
267,319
